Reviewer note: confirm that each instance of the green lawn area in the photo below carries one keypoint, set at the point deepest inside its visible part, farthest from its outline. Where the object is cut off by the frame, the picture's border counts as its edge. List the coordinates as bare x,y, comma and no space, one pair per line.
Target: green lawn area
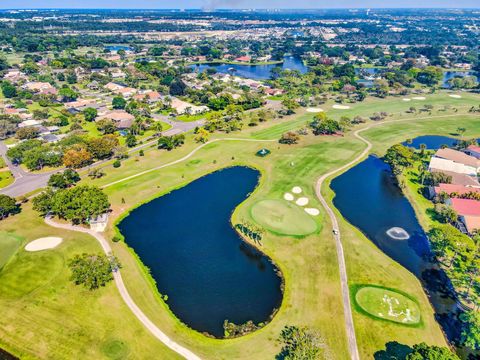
387,304
46,316
99,323
9,243
6,178
275,131
283,218
190,118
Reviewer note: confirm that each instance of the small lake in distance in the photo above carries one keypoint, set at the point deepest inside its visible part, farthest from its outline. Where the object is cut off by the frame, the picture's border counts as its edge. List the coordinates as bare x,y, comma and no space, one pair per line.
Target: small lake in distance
196,258
255,72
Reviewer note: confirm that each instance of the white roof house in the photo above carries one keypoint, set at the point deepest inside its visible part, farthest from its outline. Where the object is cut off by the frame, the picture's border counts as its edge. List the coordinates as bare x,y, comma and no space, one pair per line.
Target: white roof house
438,164
29,123
183,107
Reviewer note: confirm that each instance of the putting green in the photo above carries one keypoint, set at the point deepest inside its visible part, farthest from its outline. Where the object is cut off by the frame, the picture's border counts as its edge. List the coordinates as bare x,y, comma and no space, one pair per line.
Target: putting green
388,305
9,243
282,217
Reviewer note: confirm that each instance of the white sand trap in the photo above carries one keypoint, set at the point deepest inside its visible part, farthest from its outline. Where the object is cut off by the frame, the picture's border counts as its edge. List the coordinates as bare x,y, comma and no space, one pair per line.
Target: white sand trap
288,197
297,190
312,211
455,96
43,243
314,110
398,233
407,99
419,98
302,201
341,107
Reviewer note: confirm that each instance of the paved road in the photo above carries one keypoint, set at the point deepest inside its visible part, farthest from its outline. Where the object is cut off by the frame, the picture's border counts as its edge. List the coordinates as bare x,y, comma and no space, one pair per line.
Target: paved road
26,182
160,335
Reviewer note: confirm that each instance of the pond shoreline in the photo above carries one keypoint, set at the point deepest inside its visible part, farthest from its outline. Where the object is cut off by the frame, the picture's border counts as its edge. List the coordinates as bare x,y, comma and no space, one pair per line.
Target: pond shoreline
250,244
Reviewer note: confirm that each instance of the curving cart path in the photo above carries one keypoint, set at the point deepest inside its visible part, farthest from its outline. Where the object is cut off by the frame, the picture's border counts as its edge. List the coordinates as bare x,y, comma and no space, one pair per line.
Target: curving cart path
159,334
349,325
189,355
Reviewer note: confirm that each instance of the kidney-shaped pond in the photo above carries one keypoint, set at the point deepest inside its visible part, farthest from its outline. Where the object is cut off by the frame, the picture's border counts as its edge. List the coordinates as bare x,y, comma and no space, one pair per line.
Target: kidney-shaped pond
198,260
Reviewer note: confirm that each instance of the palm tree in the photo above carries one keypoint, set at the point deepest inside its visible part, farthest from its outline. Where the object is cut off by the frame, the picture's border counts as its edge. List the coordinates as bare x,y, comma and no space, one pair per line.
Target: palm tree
422,149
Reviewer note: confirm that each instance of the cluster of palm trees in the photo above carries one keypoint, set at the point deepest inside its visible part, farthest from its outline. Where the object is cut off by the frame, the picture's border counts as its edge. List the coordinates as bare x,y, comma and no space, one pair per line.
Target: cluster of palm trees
250,230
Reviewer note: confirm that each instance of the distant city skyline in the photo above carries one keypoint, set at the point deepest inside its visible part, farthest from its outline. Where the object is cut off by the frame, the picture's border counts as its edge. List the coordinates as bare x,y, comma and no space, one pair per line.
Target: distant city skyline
232,4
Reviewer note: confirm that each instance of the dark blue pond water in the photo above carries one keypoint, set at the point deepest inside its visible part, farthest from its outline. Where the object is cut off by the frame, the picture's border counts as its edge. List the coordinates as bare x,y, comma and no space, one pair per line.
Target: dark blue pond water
368,198
255,72
197,258
118,47
433,142
368,73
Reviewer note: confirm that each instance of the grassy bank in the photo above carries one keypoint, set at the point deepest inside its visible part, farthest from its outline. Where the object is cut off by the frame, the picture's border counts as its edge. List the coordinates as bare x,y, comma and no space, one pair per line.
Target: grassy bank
312,290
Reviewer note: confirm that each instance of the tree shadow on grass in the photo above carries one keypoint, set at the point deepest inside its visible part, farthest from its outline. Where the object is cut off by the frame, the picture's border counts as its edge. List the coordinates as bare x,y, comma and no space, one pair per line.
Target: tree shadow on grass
393,351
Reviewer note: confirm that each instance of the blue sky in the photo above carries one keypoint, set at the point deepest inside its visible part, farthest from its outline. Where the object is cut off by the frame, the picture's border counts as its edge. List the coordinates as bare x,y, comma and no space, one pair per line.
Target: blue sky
169,4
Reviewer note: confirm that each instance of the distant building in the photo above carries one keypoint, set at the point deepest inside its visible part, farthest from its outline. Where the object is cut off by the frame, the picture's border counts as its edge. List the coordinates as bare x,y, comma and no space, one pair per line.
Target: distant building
243,59
121,118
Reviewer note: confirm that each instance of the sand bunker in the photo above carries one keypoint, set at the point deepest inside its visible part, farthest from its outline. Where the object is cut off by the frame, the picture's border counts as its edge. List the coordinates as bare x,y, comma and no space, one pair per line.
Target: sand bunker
419,98
296,189
302,201
407,99
314,110
288,197
312,211
43,243
398,233
455,96
341,107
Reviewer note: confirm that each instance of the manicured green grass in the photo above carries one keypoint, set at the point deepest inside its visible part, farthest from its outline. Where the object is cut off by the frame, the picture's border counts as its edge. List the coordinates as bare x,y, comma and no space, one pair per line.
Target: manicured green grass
275,131
312,295
45,316
9,243
6,178
388,304
283,218
189,118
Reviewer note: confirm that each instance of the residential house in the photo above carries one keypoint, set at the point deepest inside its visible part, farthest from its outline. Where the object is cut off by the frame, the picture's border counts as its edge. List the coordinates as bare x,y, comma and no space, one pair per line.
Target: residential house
121,118
81,104
14,76
473,150
458,157
468,212
40,87
462,179
182,107
126,92
443,165
243,59
452,189
149,96
114,87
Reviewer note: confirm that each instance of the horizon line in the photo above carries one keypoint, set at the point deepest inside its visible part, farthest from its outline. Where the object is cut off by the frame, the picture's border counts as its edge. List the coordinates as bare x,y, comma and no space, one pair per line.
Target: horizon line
249,9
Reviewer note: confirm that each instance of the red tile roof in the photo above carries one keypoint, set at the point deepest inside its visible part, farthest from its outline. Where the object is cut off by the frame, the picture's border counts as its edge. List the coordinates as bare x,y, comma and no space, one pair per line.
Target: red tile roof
474,148
452,188
466,206
243,58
